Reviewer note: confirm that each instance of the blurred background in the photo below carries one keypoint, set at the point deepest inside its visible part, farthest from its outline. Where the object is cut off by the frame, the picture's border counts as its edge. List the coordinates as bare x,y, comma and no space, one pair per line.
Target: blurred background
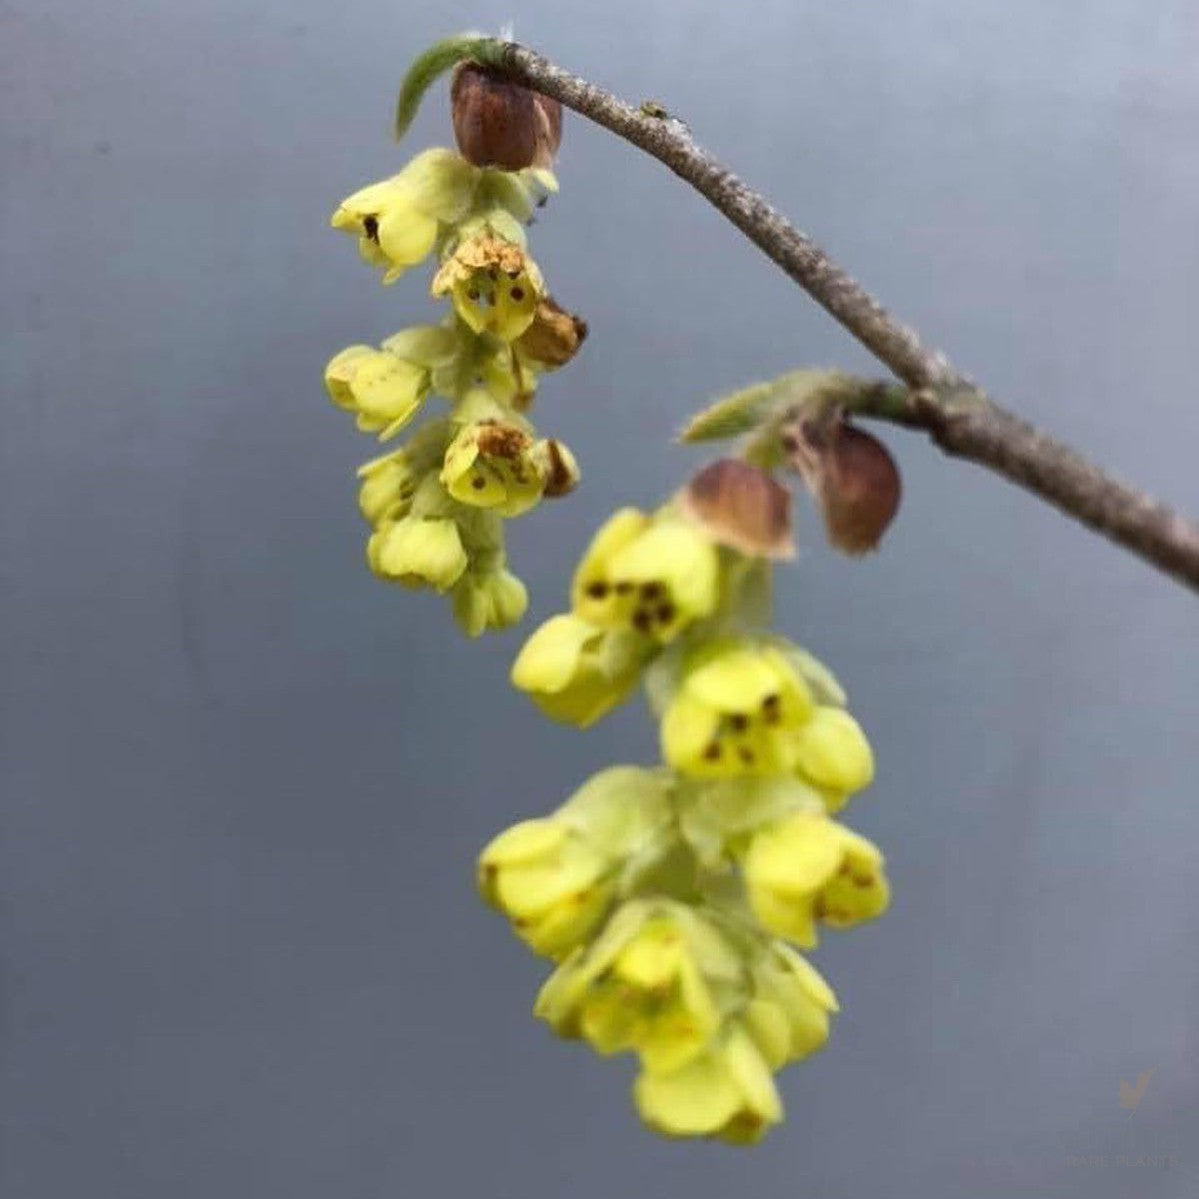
244,783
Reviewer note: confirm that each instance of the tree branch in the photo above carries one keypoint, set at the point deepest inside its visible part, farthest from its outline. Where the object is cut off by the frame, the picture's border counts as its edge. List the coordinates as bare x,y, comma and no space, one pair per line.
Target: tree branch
954,412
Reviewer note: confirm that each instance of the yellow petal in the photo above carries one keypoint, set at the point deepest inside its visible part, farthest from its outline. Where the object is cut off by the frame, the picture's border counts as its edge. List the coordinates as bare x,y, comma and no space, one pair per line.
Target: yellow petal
737,680
591,592
796,857
387,388
564,925
406,236
688,734
767,1023
650,961
832,751
678,557
608,1022
536,886
340,372
388,485
419,551
697,1100
785,916
524,843
548,660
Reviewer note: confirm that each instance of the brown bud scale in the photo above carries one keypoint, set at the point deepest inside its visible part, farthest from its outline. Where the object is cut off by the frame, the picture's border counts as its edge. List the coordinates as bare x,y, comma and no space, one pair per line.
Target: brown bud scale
497,123
852,476
741,507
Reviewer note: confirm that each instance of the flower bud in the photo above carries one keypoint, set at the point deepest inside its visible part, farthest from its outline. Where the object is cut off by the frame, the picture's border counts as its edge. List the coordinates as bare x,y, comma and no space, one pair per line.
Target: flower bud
742,507
498,123
853,477
488,599
789,1015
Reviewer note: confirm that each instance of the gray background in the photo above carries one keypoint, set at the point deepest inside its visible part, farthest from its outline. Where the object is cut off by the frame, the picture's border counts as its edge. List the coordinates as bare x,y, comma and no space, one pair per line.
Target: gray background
244,783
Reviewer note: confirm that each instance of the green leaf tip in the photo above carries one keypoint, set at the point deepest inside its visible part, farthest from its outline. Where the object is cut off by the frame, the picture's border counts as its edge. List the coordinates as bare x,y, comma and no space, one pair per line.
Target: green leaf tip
756,407
428,67
751,407
731,415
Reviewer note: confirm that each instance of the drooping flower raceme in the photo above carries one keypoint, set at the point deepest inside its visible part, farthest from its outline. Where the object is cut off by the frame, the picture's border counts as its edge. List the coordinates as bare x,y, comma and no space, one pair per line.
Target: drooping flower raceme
436,506
674,942
672,901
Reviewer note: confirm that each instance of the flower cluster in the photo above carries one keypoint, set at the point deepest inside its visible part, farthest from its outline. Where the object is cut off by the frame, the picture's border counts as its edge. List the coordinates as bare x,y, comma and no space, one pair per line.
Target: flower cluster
674,900
436,505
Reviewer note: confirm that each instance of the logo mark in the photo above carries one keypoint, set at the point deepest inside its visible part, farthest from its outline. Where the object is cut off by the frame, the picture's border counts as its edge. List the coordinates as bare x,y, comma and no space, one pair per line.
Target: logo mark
1130,1096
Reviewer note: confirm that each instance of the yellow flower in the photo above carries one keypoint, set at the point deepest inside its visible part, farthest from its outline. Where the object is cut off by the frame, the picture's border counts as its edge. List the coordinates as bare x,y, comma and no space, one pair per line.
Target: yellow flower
418,551
727,1092
655,981
388,485
654,575
489,464
488,598
790,1012
390,481
494,284
549,881
831,752
397,221
734,712
810,868
384,391
591,591
555,877
577,673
